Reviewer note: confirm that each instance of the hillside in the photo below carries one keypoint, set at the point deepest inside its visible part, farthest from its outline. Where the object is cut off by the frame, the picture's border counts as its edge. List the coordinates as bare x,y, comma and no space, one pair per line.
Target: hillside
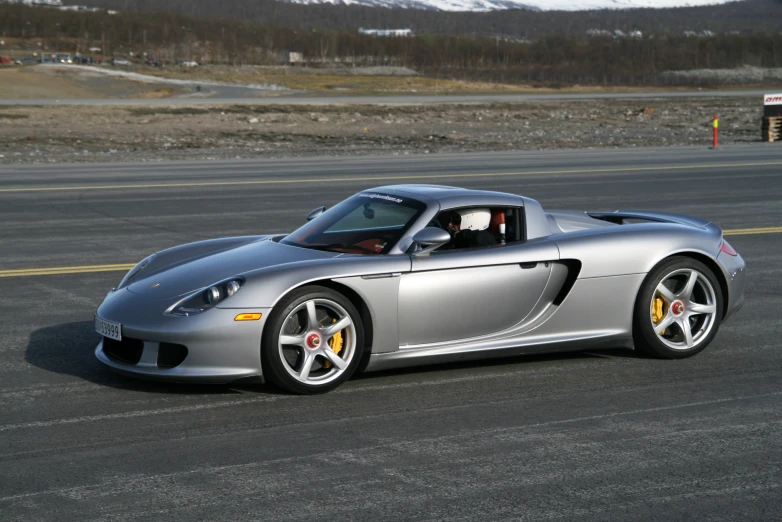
748,16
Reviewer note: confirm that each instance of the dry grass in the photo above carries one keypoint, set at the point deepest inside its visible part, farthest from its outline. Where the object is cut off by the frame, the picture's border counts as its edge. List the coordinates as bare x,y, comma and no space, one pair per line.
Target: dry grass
45,82
55,83
19,82
392,84
344,82
300,79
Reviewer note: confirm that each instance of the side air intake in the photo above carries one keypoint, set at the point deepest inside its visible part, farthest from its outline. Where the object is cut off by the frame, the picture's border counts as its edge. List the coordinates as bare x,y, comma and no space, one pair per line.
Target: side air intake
573,269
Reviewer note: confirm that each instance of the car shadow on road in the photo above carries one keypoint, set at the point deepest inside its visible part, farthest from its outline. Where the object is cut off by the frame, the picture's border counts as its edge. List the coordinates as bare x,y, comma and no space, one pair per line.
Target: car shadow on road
69,349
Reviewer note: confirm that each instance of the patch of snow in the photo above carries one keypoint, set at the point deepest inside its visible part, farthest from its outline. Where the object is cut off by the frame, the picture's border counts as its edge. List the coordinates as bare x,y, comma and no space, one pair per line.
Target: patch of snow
542,5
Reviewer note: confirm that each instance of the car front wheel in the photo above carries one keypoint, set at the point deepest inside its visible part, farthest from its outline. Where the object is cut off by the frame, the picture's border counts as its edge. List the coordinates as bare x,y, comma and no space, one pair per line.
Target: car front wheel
678,309
313,341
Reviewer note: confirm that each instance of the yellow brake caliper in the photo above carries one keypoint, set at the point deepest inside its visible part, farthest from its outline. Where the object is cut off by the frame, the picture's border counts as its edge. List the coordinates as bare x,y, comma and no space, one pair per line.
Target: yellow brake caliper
335,343
659,310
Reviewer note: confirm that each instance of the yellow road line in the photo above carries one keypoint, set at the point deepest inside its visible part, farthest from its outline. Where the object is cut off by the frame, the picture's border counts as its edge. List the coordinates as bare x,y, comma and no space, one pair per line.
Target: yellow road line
66,270
752,231
84,267
388,178
89,269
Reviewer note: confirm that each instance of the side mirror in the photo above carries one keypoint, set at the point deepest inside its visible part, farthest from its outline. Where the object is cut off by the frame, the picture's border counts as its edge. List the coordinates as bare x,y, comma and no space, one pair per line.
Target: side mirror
430,238
315,213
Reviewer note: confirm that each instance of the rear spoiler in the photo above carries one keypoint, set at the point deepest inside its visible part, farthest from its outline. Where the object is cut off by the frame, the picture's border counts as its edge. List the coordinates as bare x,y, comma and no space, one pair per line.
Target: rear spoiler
619,216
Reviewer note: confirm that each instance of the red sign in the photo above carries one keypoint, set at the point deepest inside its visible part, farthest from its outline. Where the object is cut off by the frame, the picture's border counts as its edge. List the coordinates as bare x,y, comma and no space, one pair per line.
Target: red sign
772,99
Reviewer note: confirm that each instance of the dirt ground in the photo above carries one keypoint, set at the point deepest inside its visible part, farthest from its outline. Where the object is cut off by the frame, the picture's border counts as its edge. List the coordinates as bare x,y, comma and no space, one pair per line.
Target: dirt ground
41,82
78,134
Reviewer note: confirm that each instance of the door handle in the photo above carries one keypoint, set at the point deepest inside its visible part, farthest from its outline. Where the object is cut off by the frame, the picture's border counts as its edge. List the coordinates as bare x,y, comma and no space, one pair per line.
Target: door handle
381,276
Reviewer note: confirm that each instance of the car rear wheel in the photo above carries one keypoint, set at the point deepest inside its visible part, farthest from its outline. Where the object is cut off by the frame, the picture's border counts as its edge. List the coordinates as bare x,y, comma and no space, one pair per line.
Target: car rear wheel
678,310
313,341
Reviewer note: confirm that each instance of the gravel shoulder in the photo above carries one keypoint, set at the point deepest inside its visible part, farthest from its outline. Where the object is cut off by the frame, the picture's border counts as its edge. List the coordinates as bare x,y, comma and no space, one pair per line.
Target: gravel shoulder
147,133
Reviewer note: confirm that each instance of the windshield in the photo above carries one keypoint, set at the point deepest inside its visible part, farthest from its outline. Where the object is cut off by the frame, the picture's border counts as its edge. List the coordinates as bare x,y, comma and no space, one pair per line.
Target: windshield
367,223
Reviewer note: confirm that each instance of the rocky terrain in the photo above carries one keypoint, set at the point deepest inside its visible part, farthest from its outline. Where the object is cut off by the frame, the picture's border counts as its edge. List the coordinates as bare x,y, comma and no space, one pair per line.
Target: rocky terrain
155,133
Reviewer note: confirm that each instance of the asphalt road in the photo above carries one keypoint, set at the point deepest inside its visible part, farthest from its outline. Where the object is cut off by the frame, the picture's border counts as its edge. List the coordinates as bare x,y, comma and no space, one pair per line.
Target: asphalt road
216,95
593,436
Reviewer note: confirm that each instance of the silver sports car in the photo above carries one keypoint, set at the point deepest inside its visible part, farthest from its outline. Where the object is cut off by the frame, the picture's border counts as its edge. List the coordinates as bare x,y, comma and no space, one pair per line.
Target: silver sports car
417,274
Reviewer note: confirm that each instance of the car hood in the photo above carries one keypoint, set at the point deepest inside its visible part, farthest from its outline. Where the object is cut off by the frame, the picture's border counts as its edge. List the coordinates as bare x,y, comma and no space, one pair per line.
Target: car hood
187,275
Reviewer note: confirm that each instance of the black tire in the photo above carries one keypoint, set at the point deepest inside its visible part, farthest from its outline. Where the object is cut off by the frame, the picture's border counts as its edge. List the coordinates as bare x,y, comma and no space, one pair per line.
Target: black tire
644,336
277,367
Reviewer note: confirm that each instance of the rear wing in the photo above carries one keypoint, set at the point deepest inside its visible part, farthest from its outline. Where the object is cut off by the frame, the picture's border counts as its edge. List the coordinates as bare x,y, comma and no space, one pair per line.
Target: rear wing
624,217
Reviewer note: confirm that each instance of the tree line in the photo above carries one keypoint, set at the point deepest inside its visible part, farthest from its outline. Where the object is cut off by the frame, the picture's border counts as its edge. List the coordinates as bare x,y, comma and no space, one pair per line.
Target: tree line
551,59
748,16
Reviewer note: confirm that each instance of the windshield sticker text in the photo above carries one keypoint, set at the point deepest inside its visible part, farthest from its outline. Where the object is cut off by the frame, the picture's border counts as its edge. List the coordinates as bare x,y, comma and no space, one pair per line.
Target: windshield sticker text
380,196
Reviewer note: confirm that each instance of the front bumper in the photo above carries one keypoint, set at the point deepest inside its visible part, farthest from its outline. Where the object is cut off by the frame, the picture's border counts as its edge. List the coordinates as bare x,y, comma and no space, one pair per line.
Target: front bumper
218,349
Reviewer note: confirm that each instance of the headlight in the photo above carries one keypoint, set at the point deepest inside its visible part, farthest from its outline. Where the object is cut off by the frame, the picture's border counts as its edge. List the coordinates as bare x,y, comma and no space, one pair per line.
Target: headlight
206,298
135,271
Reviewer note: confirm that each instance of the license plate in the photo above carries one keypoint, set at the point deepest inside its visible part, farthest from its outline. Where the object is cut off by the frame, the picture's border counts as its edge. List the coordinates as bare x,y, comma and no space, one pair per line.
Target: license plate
108,329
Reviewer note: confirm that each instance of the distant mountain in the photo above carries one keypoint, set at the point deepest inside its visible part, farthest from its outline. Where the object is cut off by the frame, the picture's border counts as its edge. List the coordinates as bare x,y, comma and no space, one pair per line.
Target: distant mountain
537,5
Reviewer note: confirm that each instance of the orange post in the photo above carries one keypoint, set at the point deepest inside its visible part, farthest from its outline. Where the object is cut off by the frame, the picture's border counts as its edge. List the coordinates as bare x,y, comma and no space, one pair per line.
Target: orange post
716,131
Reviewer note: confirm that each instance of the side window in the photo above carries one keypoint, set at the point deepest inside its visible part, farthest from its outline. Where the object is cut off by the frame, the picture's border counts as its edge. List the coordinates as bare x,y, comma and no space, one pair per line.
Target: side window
481,227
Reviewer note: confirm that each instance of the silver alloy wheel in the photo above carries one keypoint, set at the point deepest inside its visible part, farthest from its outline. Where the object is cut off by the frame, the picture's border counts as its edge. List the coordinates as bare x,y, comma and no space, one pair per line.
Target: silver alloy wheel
304,341
690,305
